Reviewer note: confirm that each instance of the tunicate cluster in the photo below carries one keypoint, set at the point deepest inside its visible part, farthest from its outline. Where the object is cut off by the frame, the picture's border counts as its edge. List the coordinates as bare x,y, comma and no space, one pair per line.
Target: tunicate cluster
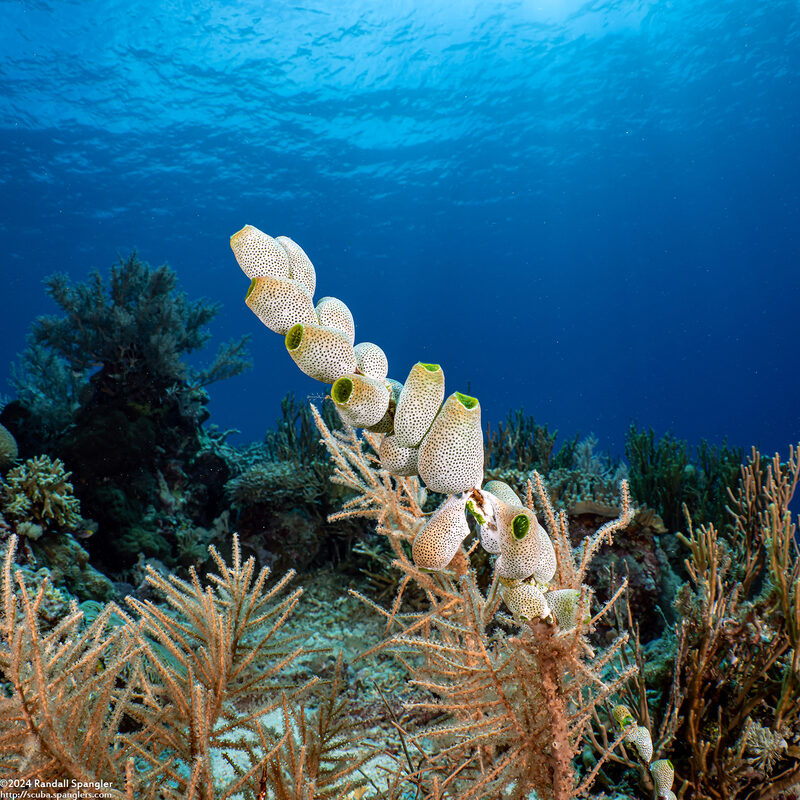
425,433
638,735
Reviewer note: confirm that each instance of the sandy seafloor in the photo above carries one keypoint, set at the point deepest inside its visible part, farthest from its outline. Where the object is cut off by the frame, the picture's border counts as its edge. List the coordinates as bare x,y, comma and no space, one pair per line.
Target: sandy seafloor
329,620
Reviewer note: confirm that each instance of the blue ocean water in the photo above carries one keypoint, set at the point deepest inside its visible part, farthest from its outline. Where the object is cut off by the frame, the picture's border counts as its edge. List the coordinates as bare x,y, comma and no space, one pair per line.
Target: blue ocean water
589,209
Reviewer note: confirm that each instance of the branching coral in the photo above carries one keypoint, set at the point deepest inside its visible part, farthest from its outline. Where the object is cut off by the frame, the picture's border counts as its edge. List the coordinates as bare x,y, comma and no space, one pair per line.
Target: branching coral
315,759
131,333
154,704
732,719
520,443
136,326
38,491
514,702
517,705
575,474
665,476
106,384
49,394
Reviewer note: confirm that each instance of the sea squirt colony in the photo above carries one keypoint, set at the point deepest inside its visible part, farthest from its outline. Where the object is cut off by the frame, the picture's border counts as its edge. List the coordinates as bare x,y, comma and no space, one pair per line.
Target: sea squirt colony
424,434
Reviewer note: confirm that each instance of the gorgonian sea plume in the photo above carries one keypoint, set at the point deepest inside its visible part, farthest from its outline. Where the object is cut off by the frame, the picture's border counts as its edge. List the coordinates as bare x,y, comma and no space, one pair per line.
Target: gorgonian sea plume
417,432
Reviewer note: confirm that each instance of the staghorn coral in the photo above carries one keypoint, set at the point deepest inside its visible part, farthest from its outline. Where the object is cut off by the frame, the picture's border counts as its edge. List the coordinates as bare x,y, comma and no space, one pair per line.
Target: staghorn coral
38,491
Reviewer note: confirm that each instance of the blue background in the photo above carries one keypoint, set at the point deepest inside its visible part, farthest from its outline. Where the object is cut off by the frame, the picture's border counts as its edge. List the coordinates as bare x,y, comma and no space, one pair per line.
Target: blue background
589,209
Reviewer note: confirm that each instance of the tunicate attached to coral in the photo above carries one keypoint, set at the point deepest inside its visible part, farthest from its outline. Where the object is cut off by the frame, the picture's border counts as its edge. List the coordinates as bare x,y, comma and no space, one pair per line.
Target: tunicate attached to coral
333,313
419,403
280,303
397,459
451,454
371,360
525,547
300,267
259,255
565,604
622,716
483,508
638,736
361,401
525,601
663,774
437,543
386,423
641,740
502,491
324,354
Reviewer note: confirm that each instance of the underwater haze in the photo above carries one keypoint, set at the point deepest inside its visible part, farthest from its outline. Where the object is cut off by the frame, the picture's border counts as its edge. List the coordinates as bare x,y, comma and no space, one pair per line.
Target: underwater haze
591,210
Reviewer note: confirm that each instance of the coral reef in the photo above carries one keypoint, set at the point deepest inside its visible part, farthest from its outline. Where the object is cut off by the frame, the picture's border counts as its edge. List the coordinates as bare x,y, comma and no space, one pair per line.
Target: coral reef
282,495
68,565
37,503
151,706
513,647
39,492
727,700
151,325
636,556
665,477
269,482
498,737
474,660
105,385
521,444
586,486
8,448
